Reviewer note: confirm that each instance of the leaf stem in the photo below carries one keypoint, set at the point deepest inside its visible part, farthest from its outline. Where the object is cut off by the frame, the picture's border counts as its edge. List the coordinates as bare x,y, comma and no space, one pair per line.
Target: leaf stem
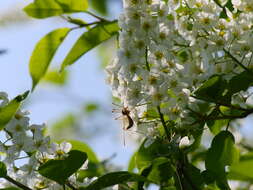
85,25
96,16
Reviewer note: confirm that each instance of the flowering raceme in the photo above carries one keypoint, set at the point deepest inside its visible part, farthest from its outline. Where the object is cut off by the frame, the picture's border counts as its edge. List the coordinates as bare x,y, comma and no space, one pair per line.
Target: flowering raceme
24,148
168,48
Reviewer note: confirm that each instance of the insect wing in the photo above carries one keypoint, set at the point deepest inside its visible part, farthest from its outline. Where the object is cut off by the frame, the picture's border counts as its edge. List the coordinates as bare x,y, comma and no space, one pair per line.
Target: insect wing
125,122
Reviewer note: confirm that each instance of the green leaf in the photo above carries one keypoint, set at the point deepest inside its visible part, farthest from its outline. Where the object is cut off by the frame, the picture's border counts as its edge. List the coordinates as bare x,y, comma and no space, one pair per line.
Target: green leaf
222,153
99,6
182,56
208,176
132,164
213,90
44,52
93,170
240,82
161,171
145,156
47,8
243,168
60,170
9,110
81,146
54,77
3,170
89,40
193,177
215,126
113,178
10,188
91,107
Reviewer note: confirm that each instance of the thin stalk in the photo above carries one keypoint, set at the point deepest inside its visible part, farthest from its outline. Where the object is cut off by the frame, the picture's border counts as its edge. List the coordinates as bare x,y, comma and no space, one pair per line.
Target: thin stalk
96,16
237,61
163,123
146,58
18,184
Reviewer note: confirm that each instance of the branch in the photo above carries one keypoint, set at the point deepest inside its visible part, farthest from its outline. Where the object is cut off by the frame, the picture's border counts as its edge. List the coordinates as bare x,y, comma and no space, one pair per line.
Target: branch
163,123
237,61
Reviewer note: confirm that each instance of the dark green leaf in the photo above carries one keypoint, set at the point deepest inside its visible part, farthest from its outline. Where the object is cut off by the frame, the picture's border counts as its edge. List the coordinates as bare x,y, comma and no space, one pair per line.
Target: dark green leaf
161,170
193,177
47,8
10,188
113,178
89,40
222,153
208,176
145,156
182,56
124,187
44,52
240,82
60,170
213,90
9,110
3,170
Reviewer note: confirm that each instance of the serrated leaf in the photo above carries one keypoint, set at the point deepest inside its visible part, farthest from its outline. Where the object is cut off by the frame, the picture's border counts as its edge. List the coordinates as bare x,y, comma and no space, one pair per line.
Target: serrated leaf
89,40
9,110
47,8
44,52
60,170
113,178
3,170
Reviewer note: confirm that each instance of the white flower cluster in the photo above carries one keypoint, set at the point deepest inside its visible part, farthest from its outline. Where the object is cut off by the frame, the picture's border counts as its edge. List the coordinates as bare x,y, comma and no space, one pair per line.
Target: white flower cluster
167,48
24,148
